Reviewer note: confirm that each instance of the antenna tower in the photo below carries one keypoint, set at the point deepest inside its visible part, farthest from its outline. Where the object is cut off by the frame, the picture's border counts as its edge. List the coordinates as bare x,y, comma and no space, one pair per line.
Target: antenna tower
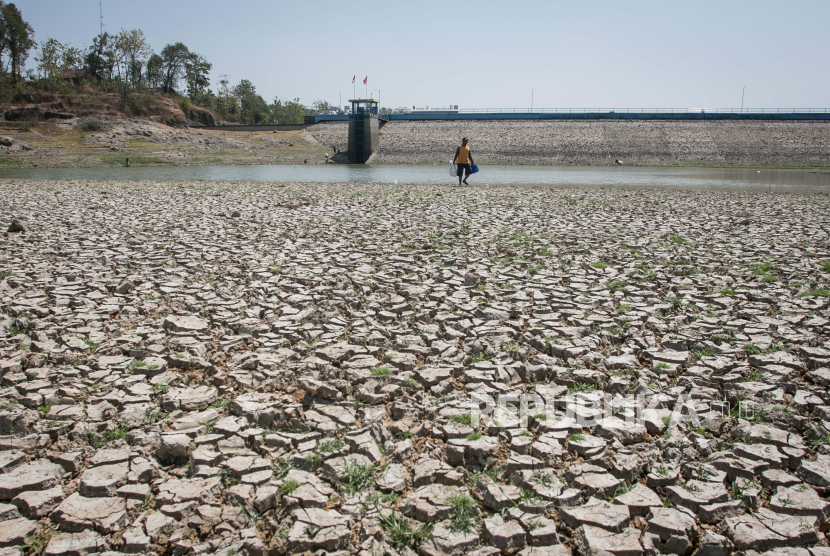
101,17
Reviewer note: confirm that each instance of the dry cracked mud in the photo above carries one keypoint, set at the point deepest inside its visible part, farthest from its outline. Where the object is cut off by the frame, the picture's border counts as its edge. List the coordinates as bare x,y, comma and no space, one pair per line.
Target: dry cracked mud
238,368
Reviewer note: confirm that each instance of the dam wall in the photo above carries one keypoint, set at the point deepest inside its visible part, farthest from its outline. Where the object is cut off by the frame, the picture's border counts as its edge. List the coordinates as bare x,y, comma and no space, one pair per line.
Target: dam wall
597,142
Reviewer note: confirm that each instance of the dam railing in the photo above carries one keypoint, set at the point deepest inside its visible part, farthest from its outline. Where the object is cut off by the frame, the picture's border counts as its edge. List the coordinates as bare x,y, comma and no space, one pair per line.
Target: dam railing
635,111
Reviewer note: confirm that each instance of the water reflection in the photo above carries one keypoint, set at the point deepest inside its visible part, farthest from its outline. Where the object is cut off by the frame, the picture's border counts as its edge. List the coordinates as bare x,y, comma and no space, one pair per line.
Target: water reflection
813,181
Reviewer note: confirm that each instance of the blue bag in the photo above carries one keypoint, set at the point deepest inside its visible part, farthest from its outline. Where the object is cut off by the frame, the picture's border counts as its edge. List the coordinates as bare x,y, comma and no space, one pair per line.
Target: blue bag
475,168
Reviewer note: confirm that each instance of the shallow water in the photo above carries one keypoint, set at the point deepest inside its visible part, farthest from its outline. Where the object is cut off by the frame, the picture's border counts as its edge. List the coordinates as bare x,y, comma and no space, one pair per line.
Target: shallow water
801,181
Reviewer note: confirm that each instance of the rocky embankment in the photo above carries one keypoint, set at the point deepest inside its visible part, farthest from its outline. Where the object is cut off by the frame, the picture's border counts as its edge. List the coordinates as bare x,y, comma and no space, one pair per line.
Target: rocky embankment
261,369
596,143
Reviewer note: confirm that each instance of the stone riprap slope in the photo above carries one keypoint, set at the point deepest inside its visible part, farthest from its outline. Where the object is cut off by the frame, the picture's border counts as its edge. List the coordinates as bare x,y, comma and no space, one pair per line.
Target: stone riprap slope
596,143
217,368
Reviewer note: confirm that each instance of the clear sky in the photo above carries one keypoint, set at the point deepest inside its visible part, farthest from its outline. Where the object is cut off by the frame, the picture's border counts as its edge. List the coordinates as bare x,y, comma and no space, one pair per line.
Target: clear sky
485,54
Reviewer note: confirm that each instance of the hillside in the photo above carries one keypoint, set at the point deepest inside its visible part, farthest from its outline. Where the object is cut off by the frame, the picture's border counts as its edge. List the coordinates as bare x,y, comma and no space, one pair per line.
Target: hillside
99,129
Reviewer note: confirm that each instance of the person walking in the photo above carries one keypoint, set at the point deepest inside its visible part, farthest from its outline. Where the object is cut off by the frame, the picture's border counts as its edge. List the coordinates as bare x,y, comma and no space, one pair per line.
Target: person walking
464,162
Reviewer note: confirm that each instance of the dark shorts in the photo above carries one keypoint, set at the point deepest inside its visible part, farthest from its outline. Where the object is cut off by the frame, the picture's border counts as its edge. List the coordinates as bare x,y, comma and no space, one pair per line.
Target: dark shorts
460,169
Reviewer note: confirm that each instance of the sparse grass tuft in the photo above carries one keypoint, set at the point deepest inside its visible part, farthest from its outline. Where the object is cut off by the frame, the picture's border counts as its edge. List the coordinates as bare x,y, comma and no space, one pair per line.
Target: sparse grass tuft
818,292
332,445
358,476
280,468
463,513
400,533
289,486
463,419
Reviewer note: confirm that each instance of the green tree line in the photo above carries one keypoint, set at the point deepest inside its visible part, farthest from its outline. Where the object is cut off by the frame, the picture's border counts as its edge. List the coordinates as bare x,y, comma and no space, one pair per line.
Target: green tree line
126,64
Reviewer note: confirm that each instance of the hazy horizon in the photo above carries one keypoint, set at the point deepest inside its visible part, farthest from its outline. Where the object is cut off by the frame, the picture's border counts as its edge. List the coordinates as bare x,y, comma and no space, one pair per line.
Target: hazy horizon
650,54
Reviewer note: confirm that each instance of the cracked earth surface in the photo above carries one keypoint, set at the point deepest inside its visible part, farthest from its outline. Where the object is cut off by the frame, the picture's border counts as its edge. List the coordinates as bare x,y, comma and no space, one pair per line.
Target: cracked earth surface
261,369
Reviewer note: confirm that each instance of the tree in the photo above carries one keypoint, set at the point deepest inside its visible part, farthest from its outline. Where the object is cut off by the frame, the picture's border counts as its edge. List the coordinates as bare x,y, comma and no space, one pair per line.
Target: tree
173,59
18,38
100,59
131,53
225,102
289,112
196,76
54,60
154,73
252,108
321,107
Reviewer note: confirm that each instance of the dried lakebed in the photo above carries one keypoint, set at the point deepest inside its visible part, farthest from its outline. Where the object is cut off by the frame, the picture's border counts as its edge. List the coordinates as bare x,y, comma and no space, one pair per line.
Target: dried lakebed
249,368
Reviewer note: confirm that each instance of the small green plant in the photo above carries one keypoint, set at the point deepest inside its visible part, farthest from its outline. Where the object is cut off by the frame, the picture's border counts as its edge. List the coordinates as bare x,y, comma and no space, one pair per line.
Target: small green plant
666,420
622,489
37,543
44,409
618,285
697,355
381,371
357,476
544,478
576,437
400,532
152,417
582,387
288,487
91,345
752,349
463,419
280,468
600,265
383,498
823,440
220,404
533,524
160,388
332,445
227,479
691,487
819,292
312,459
661,470
753,376
111,435
463,513
473,436
311,530
412,383
91,125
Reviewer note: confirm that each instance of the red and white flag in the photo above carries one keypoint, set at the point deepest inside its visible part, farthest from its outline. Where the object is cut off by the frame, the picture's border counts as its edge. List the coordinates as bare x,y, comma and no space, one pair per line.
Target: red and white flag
353,77
364,80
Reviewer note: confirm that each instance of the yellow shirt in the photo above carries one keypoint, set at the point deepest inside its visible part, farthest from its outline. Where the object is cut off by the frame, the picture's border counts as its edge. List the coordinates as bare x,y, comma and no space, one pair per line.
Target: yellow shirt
463,155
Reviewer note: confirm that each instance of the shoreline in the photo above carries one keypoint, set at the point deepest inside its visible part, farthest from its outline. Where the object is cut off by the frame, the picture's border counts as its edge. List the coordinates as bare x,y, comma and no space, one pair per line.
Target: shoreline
108,141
